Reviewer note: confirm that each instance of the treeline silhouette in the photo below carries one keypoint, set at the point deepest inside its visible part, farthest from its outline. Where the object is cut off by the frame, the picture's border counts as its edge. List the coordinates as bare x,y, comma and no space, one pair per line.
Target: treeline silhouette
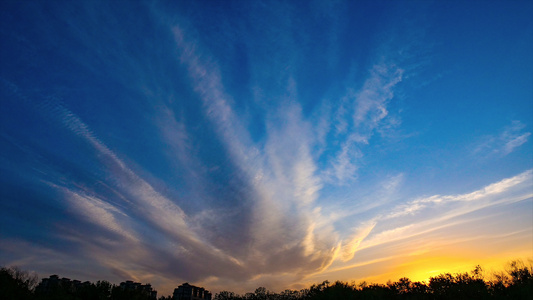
515,282
16,284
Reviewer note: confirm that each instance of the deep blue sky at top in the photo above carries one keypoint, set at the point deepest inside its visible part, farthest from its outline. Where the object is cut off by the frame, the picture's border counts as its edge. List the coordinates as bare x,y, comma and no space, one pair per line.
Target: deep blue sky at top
221,110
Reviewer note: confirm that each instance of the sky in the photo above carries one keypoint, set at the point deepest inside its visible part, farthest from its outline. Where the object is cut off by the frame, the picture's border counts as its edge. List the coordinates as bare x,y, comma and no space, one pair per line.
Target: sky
238,144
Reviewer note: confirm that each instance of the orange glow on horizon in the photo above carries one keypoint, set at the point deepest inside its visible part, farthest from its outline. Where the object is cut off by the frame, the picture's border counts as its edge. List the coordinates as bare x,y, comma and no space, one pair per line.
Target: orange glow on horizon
422,269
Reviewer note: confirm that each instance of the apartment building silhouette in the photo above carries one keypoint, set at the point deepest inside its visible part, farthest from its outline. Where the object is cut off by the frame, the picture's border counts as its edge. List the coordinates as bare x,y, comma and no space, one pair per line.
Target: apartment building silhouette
190,292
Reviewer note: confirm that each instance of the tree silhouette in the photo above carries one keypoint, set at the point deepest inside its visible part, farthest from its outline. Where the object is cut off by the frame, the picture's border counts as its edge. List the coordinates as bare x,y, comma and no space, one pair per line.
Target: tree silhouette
16,284
515,282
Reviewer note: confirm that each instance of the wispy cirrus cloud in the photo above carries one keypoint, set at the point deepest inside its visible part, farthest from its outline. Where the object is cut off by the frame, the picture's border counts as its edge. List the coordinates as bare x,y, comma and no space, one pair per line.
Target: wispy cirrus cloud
141,208
425,226
487,196
371,102
98,212
360,115
424,215
282,168
508,140
350,247
283,188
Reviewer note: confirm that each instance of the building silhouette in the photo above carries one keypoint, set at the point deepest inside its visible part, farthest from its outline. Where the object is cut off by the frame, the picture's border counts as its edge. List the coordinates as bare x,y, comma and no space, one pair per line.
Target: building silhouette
53,286
145,289
190,292
53,283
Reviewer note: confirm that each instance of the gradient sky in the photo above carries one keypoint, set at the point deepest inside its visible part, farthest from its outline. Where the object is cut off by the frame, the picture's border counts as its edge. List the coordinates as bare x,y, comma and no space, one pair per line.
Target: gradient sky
238,144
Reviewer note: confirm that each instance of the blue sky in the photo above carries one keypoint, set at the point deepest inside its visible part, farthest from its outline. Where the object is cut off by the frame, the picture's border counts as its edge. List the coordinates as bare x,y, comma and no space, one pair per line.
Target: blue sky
238,144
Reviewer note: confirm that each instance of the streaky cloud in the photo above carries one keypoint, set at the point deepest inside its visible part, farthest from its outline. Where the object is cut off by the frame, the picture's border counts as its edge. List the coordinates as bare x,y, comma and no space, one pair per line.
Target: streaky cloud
352,245
272,175
160,213
486,196
368,108
439,210
504,143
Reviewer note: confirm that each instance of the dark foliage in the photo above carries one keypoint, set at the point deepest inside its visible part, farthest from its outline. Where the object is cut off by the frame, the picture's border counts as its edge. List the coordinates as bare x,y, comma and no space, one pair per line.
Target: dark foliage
516,282
16,284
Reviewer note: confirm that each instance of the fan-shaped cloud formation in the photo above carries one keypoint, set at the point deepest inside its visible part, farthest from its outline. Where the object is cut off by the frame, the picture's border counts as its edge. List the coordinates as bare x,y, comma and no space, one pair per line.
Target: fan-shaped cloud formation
163,142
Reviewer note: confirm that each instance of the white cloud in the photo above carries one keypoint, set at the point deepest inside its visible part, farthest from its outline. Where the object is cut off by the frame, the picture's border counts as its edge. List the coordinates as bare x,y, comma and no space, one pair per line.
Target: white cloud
358,117
513,137
163,218
504,143
351,246
371,101
487,196
281,171
438,210
345,165
100,213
